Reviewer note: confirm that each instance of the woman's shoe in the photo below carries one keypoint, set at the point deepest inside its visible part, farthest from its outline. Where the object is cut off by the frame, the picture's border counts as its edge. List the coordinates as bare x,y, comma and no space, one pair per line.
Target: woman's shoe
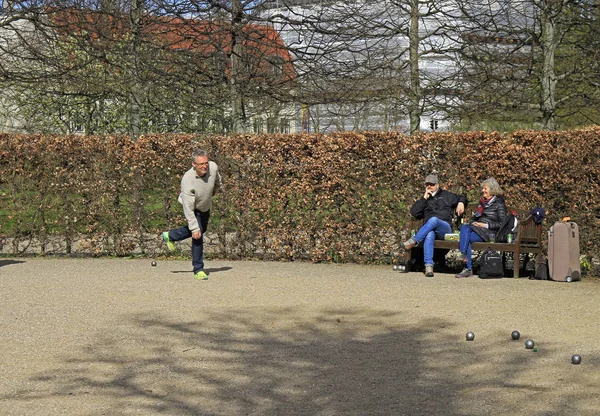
465,273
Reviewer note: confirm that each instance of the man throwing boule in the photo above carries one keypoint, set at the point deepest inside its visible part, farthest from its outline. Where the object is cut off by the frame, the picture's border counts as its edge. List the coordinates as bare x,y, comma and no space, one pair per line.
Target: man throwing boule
198,186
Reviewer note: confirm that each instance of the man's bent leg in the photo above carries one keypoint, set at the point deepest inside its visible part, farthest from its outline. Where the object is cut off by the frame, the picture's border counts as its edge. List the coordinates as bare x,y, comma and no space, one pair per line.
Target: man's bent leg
433,224
428,248
180,233
439,227
438,232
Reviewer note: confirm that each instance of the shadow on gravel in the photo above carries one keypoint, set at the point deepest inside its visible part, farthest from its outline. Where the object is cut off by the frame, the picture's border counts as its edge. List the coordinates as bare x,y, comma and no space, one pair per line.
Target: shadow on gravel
209,270
217,269
10,261
279,362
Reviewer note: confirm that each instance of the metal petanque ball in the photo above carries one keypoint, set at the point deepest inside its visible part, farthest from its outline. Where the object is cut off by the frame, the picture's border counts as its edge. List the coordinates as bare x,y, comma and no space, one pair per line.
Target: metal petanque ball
470,336
394,267
515,335
153,263
529,344
576,359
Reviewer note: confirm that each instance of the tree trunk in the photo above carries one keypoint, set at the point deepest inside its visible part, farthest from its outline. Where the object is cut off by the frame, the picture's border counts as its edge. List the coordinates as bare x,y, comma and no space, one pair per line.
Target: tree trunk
549,42
134,93
238,113
414,105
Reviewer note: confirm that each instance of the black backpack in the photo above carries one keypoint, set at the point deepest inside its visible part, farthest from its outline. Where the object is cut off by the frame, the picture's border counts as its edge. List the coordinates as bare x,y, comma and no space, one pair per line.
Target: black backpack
541,268
490,266
508,226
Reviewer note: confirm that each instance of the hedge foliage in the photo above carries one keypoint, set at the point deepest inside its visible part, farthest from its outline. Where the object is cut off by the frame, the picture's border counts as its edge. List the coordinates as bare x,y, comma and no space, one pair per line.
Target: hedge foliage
337,197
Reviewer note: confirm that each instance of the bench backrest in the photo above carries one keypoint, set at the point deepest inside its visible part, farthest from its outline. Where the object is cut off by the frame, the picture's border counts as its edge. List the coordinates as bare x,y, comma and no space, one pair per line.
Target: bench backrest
530,233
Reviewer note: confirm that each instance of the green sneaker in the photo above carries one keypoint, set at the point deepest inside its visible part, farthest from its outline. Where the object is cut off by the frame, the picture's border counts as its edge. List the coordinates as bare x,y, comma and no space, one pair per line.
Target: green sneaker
168,242
200,275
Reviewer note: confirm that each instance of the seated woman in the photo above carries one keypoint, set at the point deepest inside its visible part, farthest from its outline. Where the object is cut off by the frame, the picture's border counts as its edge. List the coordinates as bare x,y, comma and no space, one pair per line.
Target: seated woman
487,219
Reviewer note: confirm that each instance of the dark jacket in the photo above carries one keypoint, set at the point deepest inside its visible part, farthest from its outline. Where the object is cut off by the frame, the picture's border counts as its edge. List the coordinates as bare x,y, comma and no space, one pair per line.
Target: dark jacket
441,206
494,216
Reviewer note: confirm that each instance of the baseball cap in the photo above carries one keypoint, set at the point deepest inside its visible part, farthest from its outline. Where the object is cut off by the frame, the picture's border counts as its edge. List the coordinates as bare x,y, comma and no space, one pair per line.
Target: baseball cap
431,179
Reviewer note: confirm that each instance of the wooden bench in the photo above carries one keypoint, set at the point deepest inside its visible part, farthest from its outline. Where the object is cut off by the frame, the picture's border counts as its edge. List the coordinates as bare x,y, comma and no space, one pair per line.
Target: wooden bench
527,240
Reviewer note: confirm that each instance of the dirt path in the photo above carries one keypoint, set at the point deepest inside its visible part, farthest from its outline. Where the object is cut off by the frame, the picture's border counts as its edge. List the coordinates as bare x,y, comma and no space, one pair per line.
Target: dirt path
119,337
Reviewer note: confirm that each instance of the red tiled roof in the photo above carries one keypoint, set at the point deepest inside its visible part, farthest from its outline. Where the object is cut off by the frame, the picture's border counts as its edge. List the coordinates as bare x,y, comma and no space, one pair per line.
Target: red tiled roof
260,43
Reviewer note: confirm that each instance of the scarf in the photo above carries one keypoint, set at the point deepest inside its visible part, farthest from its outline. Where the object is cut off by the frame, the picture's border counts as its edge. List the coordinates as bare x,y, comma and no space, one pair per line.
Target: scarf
483,203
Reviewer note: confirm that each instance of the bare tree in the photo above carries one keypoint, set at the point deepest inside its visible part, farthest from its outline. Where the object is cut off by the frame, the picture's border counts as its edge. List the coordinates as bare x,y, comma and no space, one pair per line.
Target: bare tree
189,65
578,64
390,55
509,68
156,61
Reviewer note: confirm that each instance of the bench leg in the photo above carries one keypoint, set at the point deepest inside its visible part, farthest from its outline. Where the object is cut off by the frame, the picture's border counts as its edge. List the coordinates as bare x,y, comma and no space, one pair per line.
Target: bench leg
414,260
516,261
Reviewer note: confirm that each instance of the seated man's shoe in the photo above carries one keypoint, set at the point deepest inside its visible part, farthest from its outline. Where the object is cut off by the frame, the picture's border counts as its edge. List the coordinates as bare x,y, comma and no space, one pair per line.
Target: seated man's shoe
408,244
465,273
168,242
428,270
200,275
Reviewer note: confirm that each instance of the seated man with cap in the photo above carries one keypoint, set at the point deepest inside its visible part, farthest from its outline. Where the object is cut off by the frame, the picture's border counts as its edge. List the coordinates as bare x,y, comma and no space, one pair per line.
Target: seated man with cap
435,208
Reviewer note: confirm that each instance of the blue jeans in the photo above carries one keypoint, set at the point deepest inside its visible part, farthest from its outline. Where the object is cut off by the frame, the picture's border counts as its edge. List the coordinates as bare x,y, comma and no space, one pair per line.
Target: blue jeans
433,229
468,236
182,233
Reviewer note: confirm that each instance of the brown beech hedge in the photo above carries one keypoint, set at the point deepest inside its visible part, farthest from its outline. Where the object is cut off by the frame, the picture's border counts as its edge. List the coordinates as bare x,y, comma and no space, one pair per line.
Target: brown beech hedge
336,197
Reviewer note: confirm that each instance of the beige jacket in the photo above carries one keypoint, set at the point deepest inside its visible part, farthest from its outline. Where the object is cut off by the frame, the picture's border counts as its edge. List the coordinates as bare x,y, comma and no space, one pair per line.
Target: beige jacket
197,192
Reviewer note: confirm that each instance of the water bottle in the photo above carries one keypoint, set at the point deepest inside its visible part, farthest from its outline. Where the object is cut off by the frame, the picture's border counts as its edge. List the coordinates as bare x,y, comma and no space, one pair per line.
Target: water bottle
510,238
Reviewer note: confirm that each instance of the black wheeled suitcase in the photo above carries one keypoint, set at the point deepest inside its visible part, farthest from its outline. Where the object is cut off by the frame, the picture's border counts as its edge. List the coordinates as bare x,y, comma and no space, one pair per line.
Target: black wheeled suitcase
563,252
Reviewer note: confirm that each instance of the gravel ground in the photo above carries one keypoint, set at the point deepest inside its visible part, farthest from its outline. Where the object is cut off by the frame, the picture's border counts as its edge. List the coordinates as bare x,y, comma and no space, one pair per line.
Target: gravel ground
120,337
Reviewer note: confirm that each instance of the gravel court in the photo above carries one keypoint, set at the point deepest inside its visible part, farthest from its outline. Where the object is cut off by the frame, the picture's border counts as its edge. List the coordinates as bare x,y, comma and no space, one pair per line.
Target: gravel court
120,337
